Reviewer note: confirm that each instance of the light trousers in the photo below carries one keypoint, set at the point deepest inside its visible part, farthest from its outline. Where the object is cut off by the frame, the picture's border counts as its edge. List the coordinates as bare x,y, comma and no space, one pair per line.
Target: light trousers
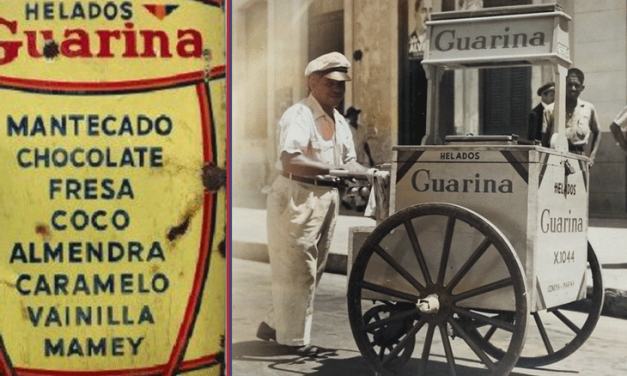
300,221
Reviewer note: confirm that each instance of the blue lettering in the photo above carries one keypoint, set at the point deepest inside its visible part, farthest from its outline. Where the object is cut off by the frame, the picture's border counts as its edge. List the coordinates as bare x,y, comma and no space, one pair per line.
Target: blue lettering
31,10
17,129
53,350
80,219
91,125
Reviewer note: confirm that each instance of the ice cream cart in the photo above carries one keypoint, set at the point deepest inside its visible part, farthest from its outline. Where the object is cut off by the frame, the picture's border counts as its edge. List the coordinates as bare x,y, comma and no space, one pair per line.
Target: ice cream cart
486,245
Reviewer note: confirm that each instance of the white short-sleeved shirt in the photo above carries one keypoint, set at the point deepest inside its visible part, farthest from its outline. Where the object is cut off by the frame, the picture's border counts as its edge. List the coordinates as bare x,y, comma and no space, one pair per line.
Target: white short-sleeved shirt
621,119
300,132
578,125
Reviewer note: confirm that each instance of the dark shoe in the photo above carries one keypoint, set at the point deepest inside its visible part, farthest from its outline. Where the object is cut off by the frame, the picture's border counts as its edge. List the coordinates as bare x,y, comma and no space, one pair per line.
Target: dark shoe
265,332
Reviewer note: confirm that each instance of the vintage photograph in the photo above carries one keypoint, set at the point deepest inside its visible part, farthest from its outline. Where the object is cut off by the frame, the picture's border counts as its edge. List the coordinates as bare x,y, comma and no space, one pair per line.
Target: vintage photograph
428,187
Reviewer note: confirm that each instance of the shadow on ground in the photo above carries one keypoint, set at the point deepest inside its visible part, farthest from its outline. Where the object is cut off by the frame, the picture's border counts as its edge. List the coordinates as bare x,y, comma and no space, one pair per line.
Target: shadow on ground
273,356
329,363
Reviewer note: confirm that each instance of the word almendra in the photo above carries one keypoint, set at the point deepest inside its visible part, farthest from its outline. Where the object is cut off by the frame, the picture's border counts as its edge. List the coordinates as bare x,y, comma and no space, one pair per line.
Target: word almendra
80,43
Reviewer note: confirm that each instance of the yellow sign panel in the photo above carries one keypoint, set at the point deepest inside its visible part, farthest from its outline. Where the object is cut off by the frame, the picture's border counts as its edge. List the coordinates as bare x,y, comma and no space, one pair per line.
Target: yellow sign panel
112,202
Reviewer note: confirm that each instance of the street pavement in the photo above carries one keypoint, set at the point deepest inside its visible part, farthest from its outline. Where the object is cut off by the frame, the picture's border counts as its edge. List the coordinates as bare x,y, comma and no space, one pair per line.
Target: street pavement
603,354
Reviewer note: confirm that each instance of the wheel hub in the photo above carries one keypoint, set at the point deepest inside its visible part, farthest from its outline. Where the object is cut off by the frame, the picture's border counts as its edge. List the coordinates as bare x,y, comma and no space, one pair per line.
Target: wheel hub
429,305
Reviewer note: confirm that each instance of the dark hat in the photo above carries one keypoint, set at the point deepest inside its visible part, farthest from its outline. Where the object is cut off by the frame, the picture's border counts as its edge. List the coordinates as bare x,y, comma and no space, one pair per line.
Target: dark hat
352,111
545,87
333,65
577,73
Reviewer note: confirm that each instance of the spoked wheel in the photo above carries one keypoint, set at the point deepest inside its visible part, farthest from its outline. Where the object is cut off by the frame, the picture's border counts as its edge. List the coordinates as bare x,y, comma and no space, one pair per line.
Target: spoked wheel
385,337
558,331
439,265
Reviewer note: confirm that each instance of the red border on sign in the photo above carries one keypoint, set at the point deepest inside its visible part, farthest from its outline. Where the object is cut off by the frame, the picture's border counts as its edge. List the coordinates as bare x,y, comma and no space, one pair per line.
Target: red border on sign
229,322
194,364
175,362
83,88
193,305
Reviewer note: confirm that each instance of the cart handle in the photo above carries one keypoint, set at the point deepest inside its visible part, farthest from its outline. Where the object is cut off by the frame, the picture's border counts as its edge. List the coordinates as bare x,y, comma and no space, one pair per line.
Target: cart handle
348,174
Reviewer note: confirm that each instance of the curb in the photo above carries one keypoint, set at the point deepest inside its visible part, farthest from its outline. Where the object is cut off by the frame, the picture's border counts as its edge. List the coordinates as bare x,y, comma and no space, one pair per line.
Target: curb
614,305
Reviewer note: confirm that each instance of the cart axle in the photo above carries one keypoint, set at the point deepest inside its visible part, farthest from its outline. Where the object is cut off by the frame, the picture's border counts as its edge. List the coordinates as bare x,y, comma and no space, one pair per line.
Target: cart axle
429,305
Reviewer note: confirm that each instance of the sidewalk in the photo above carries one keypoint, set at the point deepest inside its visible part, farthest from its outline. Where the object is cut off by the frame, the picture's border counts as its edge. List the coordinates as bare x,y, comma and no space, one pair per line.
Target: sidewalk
603,354
607,236
250,241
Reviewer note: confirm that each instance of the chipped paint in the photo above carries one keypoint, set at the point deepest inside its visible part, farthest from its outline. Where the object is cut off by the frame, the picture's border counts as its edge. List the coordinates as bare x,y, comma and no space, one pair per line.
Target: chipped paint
213,177
193,207
7,278
51,49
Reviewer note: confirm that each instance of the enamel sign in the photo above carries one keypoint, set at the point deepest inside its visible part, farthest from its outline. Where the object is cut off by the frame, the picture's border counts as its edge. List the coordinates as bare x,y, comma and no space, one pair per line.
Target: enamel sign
113,150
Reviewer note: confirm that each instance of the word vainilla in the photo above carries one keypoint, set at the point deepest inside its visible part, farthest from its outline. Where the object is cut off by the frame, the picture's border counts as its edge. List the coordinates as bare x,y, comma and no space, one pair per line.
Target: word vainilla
54,316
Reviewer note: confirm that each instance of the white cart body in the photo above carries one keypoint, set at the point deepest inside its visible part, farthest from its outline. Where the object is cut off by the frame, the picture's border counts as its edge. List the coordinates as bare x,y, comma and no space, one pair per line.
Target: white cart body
536,196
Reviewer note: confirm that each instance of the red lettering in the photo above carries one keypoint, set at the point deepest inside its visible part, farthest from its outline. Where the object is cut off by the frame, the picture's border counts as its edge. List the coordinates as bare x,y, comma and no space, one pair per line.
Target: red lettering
9,49
110,43
78,46
105,41
131,41
31,42
191,47
149,46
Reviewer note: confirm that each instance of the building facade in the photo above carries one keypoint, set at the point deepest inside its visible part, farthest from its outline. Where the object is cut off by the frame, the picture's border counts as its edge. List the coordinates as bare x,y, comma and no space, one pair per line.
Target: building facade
272,41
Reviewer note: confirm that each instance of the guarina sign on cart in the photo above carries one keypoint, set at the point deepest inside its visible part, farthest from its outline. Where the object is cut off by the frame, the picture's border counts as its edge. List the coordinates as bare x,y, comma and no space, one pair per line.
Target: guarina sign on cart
499,38
112,237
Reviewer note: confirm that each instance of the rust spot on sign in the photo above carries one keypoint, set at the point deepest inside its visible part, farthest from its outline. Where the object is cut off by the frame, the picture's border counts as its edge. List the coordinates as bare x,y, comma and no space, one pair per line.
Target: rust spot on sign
51,49
220,356
222,248
177,231
43,230
24,311
213,177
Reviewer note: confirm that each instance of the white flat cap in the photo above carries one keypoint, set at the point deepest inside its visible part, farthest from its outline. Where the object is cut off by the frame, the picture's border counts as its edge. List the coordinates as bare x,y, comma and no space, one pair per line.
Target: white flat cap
333,65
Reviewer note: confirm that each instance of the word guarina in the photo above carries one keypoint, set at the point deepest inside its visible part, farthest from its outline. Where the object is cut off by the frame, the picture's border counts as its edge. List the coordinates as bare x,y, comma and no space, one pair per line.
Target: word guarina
80,43
422,181
447,40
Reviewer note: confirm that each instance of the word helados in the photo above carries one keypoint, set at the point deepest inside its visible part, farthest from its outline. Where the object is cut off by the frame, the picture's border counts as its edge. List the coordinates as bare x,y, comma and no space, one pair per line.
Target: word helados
68,10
